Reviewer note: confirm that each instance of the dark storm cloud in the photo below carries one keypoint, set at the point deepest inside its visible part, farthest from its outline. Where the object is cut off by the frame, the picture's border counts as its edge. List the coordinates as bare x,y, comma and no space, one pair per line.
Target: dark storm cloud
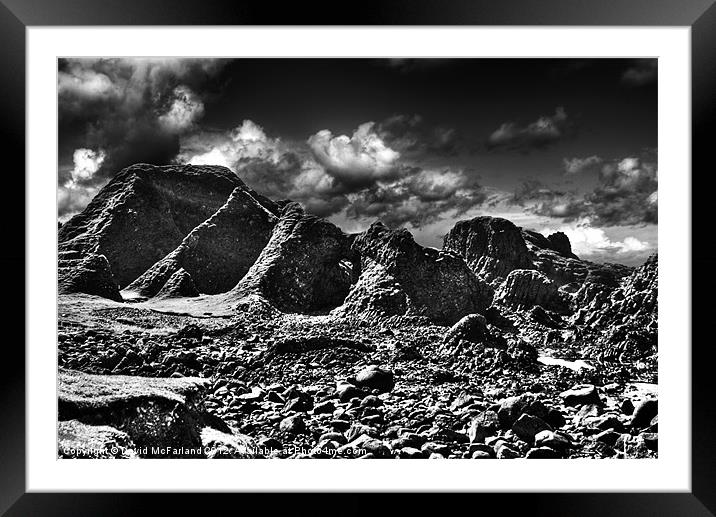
542,133
641,73
411,134
545,201
127,110
419,199
626,193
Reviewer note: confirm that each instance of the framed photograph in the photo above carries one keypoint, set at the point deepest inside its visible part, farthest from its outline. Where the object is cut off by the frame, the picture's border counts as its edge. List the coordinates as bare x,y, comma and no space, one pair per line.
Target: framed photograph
302,244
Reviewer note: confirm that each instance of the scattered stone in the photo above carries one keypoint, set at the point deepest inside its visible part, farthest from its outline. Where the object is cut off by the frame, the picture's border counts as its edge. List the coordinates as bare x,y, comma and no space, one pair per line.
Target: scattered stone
527,426
292,425
483,425
644,412
542,453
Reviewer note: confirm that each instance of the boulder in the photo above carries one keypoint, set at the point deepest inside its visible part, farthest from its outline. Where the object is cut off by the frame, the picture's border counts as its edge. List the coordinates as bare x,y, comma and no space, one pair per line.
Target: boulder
218,252
583,394
375,378
644,412
179,285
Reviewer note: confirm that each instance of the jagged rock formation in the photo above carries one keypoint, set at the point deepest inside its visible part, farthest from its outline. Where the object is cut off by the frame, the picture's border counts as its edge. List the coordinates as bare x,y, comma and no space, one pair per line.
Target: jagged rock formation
303,267
625,319
525,288
86,273
217,253
491,246
145,212
398,277
560,244
553,256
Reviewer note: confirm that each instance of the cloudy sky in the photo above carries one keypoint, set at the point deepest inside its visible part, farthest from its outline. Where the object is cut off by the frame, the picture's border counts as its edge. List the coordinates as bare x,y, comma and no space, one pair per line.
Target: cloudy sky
551,144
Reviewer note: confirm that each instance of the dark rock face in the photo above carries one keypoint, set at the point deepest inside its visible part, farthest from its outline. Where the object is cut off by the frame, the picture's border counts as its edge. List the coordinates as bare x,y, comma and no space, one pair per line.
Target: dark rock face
560,244
145,212
217,253
86,273
401,278
492,247
303,267
625,319
527,288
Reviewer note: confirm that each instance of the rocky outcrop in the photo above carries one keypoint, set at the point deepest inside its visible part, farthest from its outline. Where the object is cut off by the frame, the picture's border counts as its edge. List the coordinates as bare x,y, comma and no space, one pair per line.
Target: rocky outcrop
145,212
400,278
304,266
491,246
217,253
553,256
560,243
525,288
626,318
86,273
160,417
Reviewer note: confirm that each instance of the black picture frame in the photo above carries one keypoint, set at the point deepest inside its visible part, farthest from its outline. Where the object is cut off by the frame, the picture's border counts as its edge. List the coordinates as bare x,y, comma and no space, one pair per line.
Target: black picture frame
700,15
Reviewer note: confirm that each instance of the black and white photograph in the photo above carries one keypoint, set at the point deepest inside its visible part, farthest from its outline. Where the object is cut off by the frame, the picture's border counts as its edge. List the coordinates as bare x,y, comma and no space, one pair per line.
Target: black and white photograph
357,258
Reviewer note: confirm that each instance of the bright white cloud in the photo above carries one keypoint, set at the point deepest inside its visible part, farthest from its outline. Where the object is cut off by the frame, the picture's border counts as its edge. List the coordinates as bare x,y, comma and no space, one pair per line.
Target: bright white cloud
361,157
587,240
86,163
246,141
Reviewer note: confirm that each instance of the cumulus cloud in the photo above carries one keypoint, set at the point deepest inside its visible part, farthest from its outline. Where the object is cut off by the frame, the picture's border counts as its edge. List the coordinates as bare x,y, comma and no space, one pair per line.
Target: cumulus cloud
359,176
643,72
86,164
581,165
545,131
411,134
356,161
626,193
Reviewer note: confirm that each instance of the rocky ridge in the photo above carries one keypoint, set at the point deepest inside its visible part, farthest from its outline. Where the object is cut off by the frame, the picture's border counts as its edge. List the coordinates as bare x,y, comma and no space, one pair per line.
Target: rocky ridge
341,343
